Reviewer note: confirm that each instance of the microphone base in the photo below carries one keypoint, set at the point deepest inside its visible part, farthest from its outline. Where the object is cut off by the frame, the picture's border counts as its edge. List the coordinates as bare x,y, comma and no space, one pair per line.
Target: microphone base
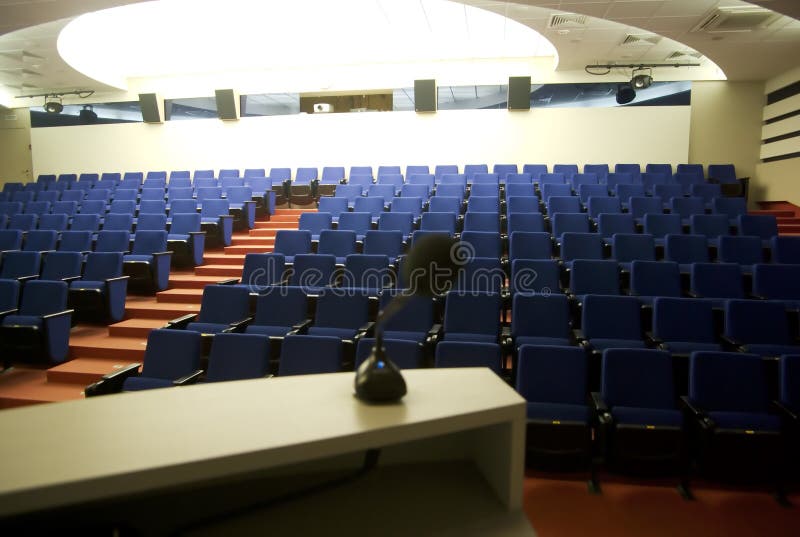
378,380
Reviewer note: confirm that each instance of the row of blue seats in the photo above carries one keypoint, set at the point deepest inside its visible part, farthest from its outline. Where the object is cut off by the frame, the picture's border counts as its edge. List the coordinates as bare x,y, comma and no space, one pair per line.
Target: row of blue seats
214,216
720,172
656,224
184,235
638,415
147,259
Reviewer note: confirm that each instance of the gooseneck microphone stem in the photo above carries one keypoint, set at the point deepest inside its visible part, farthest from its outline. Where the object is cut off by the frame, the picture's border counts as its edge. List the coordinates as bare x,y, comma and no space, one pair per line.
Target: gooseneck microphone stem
395,305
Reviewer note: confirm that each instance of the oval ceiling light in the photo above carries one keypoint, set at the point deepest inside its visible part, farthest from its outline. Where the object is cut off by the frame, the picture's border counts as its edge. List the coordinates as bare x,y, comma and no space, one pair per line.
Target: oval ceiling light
191,37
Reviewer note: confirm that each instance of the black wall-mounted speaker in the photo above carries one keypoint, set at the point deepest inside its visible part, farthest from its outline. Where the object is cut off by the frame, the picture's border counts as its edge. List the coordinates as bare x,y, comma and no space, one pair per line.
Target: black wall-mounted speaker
148,102
226,104
519,93
425,95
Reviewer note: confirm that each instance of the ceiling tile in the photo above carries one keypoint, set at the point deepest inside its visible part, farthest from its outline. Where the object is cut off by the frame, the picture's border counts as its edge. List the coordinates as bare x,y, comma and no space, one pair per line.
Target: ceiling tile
633,9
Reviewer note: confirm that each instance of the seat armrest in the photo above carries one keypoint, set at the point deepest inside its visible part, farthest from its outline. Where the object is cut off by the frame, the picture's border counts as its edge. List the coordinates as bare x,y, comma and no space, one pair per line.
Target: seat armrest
598,404
578,334
692,294
70,279
112,382
226,216
730,343
118,278
188,379
757,297
302,326
434,334
652,340
784,411
161,254
23,279
240,325
57,315
8,312
702,419
367,330
231,281
181,322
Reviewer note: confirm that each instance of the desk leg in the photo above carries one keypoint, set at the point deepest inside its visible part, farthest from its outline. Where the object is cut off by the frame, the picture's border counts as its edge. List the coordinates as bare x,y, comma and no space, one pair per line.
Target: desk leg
499,451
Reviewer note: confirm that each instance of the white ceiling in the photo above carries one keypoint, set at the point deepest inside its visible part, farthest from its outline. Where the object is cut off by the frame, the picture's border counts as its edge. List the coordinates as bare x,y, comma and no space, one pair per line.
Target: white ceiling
29,62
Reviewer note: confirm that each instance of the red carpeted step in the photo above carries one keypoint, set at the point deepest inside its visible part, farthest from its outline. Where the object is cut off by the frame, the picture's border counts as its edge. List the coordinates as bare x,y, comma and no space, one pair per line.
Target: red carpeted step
220,271
191,281
135,327
265,226
222,258
788,221
775,213
784,229
269,233
84,371
22,387
159,310
182,296
242,249
122,348
255,241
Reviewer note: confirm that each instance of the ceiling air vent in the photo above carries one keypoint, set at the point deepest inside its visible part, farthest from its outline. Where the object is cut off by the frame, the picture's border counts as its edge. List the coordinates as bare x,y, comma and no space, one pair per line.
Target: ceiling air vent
646,40
566,21
736,19
684,55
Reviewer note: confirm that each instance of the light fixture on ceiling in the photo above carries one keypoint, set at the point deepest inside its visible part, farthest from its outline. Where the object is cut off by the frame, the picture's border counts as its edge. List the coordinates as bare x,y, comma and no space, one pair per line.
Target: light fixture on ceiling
642,80
625,93
53,105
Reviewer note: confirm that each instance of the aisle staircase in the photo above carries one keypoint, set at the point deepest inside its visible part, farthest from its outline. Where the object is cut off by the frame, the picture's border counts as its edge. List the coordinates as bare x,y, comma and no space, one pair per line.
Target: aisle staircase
788,215
96,350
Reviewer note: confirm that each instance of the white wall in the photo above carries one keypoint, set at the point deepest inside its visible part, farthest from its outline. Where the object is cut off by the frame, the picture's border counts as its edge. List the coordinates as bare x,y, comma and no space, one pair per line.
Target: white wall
635,134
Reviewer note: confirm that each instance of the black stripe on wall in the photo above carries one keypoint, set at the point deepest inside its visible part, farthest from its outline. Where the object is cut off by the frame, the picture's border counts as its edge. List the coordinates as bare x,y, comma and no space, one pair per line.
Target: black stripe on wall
781,137
781,157
781,118
783,93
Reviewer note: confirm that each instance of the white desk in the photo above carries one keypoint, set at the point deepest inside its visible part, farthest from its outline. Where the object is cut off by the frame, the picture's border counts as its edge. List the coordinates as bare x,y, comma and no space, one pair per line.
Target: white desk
116,446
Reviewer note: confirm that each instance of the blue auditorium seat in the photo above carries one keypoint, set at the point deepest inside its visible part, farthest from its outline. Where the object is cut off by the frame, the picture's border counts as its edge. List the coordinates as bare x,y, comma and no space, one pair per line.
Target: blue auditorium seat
438,221
279,310
186,239
19,265
413,322
652,279
591,276
778,282
313,272
62,266
291,242
238,357
469,354
39,330
370,273
740,249
581,246
100,294
397,221
337,243
540,320
148,264
222,306
629,247
403,353
305,354
611,322
74,241
711,226
472,317
759,327
610,224
340,314
215,215
684,325
685,250
388,243
535,276
716,282
361,223
527,222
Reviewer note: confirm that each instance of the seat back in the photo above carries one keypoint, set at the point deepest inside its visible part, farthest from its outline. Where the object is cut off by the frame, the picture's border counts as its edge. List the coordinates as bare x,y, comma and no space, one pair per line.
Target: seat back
483,243
522,204
710,226
301,355
214,208
262,270
85,222
112,241
150,242
728,381
581,246
389,243
366,272
531,276
118,222
683,319
610,224
374,206
641,206
445,204
224,304
530,222
396,221
757,321
563,204
776,281
10,239
40,240
535,170
337,243
60,265
101,266
655,278
358,222
540,315
722,173
588,191
23,222
628,247
315,222
717,280
730,207
686,249
454,190
686,207
311,271
567,170
468,354
660,225
75,241
334,206
472,313
551,374
603,205
151,222
238,357
530,245
569,222
638,378
594,276
171,354
292,242
185,223
281,306
759,225
43,297
416,315
480,221
9,295
18,264
336,309
614,317
739,249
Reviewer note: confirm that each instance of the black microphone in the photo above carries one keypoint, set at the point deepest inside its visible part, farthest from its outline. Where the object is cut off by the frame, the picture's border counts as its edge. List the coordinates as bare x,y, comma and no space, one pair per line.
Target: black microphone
429,268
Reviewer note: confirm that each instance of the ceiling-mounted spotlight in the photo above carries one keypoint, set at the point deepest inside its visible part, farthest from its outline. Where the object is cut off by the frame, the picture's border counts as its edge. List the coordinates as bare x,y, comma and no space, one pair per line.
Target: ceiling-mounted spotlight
641,80
625,94
52,104
87,115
